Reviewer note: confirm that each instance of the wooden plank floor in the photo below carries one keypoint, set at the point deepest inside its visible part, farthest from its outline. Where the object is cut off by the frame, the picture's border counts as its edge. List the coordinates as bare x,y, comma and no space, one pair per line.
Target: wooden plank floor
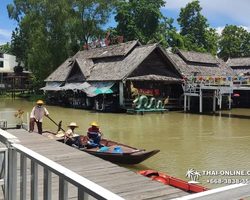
119,180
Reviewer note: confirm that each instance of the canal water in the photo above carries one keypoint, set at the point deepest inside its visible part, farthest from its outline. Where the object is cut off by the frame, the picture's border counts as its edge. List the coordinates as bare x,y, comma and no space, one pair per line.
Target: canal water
219,142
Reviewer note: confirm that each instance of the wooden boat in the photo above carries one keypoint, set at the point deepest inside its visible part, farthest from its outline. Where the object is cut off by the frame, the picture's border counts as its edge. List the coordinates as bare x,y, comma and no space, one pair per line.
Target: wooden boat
169,180
130,155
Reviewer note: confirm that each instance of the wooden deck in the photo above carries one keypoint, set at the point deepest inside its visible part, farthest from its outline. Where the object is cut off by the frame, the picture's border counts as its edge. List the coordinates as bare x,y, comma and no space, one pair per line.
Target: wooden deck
118,180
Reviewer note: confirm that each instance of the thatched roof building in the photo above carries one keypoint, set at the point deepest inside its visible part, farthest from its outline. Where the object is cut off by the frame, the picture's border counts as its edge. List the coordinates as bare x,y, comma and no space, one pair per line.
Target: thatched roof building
190,63
129,60
239,65
136,62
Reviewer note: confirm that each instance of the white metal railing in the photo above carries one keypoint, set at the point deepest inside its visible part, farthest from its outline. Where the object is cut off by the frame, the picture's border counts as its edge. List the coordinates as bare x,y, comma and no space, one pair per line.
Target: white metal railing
3,167
217,80
84,186
231,192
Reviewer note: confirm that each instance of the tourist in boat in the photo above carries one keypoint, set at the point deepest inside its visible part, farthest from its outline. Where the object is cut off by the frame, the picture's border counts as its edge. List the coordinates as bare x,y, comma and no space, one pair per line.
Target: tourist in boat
94,134
73,139
36,115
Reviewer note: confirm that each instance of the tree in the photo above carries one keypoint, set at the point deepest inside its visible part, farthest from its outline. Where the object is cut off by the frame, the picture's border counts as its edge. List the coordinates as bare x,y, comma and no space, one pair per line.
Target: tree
138,19
6,48
88,18
167,35
40,34
195,30
234,42
49,32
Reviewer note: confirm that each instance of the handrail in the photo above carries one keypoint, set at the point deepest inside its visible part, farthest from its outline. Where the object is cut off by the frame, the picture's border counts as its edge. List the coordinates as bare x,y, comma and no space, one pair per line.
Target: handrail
68,175
230,192
85,186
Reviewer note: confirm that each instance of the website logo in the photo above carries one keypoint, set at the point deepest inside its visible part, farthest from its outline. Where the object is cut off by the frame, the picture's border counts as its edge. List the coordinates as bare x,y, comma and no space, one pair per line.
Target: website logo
193,176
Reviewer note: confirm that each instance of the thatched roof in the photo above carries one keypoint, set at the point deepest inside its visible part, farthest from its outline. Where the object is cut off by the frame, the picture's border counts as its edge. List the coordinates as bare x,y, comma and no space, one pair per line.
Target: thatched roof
85,62
121,49
120,68
197,57
61,73
133,61
239,62
85,65
199,66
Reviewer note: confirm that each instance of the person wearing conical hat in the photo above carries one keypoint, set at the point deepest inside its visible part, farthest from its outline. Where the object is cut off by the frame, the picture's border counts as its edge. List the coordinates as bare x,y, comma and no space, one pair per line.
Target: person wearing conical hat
73,139
36,115
94,133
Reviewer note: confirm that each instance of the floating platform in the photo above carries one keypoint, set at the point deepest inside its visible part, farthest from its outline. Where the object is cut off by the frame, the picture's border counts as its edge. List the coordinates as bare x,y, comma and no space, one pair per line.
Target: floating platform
146,111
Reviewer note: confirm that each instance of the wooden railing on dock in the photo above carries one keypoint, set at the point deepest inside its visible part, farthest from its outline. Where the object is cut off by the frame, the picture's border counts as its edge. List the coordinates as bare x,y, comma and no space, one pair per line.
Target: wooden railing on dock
9,176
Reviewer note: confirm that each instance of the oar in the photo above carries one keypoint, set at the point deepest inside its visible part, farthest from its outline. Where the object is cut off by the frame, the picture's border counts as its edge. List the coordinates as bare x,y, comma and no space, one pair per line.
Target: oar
58,125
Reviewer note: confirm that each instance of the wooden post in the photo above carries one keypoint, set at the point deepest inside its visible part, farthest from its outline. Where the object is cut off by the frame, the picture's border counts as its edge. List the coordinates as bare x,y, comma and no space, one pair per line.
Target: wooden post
121,96
220,103
214,101
28,121
185,103
200,101
189,103
229,101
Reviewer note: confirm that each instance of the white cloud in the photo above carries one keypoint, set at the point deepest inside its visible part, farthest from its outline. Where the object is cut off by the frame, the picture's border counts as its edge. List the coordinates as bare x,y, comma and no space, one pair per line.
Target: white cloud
220,29
236,11
5,36
5,33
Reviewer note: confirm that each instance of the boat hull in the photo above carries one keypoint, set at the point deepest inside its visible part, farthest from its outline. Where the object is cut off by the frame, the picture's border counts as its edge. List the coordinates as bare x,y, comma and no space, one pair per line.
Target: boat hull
124,158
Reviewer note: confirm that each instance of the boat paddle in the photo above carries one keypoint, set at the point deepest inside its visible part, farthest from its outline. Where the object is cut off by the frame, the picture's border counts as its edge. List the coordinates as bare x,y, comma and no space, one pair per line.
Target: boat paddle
58,125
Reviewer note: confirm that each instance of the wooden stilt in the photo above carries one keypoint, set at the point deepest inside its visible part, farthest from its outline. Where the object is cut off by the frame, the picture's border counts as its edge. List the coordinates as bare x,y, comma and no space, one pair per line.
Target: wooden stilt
185,103
200,101
214,101
189,103
229,101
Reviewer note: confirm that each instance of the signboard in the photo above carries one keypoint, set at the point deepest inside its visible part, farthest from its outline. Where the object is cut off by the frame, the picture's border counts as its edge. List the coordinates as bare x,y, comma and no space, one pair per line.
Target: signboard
105,41
146,92
157,92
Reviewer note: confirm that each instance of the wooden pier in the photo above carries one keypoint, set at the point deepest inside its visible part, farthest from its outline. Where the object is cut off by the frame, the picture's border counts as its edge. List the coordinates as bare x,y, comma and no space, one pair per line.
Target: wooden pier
119,180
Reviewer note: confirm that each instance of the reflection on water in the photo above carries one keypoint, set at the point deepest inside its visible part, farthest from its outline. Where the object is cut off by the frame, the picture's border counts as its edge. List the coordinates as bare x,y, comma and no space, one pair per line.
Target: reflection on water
202,142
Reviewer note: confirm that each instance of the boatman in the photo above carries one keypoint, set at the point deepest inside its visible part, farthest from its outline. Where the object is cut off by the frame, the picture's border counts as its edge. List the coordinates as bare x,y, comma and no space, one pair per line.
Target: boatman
94,133
36,115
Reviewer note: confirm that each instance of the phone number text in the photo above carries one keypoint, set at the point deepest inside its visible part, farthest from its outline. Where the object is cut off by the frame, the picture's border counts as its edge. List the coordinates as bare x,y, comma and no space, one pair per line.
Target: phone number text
228,181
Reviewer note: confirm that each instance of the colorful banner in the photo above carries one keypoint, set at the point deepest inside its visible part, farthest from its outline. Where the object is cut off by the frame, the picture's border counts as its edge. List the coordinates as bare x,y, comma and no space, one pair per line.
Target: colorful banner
146,92
157,92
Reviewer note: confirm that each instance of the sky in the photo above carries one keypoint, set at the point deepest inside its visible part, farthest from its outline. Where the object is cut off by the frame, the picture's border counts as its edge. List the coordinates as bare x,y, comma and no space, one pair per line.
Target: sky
218,13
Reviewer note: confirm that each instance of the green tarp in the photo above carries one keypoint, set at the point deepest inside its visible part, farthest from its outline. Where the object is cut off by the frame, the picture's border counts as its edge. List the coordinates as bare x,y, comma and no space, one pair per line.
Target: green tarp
104,90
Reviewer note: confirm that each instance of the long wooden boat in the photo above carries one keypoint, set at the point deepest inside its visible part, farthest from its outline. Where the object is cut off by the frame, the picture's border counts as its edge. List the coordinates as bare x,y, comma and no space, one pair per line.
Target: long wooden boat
129,155
169,180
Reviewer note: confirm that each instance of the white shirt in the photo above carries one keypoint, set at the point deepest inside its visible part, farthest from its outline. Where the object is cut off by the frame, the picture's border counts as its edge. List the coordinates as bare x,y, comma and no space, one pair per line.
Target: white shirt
38,112
71,133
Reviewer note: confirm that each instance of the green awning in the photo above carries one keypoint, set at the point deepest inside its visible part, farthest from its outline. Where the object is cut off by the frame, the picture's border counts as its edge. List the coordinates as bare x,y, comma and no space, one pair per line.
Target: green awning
104,90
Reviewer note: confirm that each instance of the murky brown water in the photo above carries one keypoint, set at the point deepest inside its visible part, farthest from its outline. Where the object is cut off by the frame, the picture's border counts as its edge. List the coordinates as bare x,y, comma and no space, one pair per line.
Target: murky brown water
201,142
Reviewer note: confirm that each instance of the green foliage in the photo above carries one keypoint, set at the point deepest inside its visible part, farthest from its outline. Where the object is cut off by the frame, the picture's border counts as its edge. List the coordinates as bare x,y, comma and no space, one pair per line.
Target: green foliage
88,17
6,48
234,43
195,30
49,32
138,19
